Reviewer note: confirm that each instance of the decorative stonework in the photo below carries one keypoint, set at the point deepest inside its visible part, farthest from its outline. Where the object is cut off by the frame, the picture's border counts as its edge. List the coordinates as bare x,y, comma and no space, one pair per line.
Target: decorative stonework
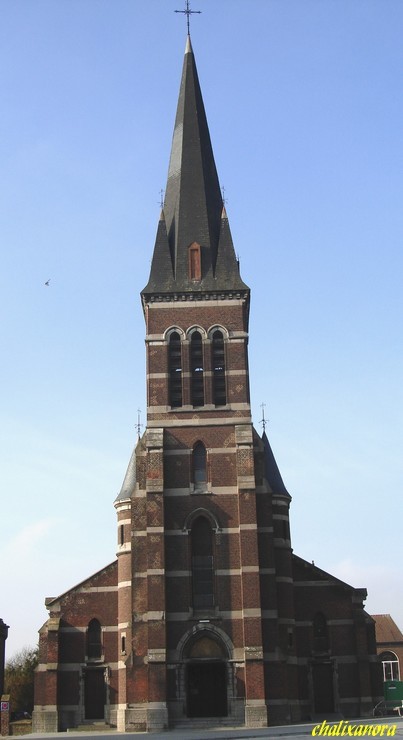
155,438
187,297
156,655
254,653
243,434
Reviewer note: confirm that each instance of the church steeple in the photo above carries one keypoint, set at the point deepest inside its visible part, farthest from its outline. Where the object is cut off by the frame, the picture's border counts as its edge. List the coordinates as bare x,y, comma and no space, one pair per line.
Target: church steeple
193,226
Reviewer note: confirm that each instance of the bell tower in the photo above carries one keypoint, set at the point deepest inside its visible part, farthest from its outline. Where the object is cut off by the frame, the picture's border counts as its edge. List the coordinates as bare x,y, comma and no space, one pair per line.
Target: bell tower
196,467
201,512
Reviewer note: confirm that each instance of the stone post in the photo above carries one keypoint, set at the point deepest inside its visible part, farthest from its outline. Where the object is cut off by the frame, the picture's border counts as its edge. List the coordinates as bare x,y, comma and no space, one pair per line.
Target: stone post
5,715
3,637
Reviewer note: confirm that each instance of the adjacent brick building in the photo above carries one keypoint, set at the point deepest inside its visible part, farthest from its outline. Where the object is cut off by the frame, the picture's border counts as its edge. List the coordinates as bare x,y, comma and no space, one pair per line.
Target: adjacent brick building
389,645
206,613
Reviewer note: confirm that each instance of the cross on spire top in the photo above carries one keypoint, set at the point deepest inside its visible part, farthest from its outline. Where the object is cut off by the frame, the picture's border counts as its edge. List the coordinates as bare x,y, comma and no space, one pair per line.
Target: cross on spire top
188,12
139,425
263,420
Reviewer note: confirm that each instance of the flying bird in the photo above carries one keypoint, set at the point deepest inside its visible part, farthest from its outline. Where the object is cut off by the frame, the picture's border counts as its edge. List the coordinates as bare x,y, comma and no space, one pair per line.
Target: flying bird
47,282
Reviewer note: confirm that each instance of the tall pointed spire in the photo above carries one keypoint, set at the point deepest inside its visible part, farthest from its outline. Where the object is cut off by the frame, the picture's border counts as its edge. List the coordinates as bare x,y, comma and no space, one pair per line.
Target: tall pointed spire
193,206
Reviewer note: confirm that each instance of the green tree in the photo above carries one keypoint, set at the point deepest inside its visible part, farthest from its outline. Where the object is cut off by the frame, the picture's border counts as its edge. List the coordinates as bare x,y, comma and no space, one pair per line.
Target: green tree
19,679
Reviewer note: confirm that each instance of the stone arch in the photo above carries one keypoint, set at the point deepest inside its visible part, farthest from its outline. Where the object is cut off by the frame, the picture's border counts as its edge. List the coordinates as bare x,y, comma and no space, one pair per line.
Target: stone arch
206,674
173,330
201,511
200,631
192,329
217,327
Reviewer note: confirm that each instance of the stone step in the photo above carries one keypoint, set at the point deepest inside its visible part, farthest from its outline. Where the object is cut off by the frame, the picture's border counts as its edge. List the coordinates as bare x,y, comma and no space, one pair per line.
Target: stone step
200,723
92,727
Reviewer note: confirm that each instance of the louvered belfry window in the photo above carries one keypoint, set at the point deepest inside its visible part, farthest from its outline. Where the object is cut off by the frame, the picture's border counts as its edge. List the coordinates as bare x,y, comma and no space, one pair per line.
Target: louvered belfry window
196,365
175,370
202,564
218,361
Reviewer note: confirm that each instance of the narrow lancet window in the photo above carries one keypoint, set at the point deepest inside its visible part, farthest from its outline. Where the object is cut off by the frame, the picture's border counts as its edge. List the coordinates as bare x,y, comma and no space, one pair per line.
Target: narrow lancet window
320,633
175,370
94,639
202,564
199,466
197,374
218,362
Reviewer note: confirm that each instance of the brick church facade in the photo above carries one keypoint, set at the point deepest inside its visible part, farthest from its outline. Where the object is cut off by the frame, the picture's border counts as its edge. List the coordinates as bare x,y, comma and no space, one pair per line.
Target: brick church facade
206,614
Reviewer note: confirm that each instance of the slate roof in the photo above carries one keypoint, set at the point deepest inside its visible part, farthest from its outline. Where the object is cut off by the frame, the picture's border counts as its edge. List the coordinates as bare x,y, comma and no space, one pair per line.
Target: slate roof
273,474
129,481
303,570
97,576
193,208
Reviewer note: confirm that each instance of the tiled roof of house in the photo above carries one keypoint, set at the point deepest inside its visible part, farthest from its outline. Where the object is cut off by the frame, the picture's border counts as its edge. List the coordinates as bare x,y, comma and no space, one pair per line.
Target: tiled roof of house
386,629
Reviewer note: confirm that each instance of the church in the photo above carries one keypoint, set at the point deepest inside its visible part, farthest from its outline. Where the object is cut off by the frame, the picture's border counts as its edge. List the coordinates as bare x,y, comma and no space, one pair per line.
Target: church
206,617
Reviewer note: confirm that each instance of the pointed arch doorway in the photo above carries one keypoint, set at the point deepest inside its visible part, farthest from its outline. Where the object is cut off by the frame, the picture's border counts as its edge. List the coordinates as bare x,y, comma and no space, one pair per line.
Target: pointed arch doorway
206,679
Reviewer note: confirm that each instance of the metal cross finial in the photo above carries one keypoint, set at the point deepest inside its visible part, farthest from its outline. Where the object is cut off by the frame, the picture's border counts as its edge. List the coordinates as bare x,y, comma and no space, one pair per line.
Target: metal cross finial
161,198
188,13
263,420
138,425
224,199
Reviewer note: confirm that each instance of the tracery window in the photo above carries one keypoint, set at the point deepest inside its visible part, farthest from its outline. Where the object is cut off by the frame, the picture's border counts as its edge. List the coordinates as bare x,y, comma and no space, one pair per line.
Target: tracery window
196,369
94,639
202,564
175,369
218,366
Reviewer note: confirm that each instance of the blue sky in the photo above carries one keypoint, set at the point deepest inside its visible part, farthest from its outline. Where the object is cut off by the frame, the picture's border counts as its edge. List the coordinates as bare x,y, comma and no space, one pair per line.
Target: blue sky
304,104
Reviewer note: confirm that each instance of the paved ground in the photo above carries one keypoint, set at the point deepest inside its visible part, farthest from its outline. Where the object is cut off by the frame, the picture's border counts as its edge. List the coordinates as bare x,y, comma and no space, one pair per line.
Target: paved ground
296,732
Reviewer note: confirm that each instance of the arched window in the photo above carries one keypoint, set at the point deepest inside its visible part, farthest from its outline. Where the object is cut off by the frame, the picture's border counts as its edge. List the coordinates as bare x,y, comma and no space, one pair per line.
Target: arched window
199,466
196,368
218,366
94,639
175,370
390,666
320,633
202,564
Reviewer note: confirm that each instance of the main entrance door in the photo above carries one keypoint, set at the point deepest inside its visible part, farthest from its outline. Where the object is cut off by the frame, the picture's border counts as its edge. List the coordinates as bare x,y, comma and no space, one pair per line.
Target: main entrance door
207,689
94,693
